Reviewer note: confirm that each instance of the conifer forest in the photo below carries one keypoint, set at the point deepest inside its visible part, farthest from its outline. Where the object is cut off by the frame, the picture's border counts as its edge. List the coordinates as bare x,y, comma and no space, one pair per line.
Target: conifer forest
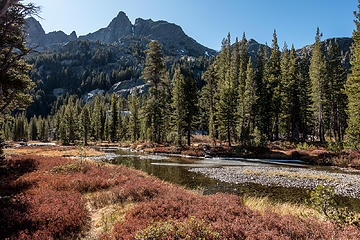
136,131
235,98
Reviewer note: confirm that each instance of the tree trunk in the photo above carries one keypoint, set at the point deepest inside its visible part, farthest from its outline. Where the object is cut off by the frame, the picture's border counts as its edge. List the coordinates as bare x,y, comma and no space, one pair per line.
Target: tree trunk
189,137
86,138
229,136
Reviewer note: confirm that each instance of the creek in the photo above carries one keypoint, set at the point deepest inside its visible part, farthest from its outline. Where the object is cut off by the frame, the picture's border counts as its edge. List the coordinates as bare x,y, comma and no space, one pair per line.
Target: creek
177,169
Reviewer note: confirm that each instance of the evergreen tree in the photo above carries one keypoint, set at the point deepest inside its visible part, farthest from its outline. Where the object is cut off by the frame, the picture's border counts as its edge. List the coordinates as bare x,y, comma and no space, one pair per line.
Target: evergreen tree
210,97
263,93
134,124
191,101
8,132
42,129
33,130
305,105
244,59
15,84
290,114
284,116
58,119
69,124
317,73
121,128
242,85
337,99
20,131
250,99
85,123
154,72
178,105
226,106
63,136
107,128
166,98
184,103
113,118
274,79
353,90
99,119
235,60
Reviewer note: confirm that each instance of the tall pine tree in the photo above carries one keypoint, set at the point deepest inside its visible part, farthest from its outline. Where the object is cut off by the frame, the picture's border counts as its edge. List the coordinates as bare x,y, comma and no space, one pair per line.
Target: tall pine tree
336,98
154,72
317,73
353,90
274,79
85,123
113,118
134,124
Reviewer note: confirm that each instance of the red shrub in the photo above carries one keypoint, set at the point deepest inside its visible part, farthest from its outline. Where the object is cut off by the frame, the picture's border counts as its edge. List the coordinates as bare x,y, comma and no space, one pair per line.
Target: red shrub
227,215
47,204
35,210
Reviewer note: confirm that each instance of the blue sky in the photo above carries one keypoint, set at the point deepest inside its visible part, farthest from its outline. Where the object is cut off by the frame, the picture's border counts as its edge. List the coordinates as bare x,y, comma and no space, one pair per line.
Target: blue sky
209,21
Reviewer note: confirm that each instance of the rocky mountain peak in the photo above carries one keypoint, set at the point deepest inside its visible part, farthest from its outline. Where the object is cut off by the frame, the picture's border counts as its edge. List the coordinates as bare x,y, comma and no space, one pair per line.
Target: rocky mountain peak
119,27
34,30
171,36
34,26
37,37
344,44
73,36
120,22
173,39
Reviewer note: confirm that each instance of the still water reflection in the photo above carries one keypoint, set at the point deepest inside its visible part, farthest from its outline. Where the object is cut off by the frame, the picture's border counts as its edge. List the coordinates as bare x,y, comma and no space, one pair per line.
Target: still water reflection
175,170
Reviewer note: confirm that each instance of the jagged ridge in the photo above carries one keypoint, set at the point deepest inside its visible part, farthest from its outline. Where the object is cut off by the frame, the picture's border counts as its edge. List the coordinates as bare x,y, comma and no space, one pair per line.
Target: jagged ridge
175,42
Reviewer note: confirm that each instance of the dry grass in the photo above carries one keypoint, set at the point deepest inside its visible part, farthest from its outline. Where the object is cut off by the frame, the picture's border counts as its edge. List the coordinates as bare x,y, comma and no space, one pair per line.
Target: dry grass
201,139
105,211
292,175
51,151
264,204
101,199
103,219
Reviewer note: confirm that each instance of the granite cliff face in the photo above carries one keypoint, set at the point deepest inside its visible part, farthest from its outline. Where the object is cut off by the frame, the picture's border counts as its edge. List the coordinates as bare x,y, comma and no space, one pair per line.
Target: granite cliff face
42,41
344,49
171,36
173,39
119,27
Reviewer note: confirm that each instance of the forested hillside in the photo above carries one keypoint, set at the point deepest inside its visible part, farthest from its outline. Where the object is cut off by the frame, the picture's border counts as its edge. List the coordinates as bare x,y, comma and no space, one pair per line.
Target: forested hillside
236,97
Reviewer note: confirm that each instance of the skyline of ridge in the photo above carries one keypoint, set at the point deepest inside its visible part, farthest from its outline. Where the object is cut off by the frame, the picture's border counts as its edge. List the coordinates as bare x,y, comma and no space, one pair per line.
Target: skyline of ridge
94,16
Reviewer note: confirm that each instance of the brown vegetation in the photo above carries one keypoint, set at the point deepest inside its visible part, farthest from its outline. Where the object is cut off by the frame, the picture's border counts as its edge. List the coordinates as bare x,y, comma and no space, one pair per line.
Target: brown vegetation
54,151
49,198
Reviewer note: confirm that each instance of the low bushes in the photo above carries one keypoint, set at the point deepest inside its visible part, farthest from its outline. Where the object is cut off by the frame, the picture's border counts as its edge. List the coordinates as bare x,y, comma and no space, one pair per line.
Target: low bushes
322,199
31,208
45,201
173,230
226,215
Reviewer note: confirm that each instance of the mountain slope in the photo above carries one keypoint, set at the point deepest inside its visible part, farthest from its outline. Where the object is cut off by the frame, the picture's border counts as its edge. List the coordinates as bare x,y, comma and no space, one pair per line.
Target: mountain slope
344,48
41,41
119,27
175,42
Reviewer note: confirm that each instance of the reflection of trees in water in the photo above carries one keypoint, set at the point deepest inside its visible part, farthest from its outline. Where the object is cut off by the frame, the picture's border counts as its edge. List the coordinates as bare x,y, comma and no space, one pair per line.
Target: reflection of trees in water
181,176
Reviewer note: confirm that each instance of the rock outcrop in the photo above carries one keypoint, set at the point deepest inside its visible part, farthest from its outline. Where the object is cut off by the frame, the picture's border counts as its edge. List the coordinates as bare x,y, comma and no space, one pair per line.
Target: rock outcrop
38,39
171,36
173,39
344,49
119,27
127,87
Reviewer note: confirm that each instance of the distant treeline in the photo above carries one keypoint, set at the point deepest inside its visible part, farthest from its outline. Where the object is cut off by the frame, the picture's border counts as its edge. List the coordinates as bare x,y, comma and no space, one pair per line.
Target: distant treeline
82,66
276,96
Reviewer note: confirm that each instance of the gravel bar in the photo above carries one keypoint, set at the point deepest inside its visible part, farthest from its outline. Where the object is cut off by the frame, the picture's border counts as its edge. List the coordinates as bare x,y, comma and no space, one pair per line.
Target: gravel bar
347,185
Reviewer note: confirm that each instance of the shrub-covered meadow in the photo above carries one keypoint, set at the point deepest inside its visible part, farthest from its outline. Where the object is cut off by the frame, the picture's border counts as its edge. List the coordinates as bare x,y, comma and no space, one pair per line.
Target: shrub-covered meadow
44,198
